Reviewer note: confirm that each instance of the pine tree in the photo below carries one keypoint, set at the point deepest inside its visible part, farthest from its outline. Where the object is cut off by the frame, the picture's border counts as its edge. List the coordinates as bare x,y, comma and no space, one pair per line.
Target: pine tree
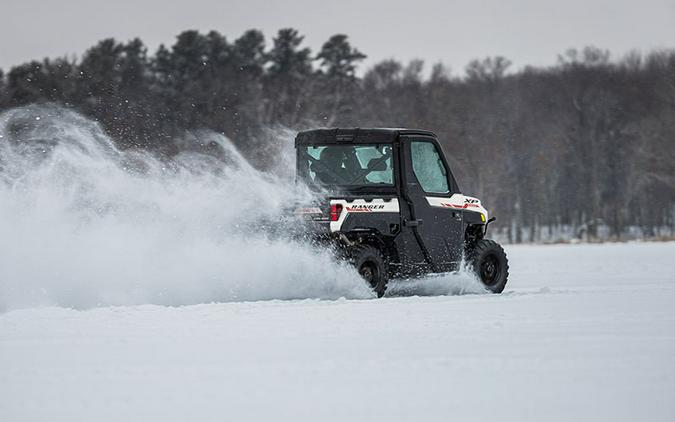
287,82
338,61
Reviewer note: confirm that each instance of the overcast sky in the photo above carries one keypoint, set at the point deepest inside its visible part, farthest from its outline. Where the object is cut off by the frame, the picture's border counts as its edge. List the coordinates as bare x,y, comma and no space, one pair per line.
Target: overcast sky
525,31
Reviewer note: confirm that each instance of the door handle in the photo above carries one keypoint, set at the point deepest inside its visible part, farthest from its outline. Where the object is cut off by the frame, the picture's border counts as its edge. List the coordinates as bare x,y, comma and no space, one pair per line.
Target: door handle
412,223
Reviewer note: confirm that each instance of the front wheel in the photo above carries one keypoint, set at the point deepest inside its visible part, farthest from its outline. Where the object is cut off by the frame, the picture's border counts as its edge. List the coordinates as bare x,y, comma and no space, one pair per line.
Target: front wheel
488,260
371,265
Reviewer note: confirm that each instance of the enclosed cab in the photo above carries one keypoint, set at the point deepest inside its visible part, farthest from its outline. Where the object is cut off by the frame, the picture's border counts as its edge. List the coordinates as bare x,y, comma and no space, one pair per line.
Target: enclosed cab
390,204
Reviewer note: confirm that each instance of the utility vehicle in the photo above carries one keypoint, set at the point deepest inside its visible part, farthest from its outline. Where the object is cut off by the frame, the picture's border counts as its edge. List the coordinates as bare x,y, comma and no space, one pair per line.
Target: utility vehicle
390,204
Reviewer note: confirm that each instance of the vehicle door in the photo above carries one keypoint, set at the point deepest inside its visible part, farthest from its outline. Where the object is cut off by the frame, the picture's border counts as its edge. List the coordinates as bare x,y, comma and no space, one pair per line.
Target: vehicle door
429,185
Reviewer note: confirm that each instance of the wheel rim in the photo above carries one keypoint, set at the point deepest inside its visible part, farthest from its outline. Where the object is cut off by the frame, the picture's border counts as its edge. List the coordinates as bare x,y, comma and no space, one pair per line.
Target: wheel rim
490,270
369,272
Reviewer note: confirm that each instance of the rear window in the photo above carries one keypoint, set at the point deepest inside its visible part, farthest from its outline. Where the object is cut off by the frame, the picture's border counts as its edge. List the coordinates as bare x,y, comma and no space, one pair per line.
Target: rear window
347,165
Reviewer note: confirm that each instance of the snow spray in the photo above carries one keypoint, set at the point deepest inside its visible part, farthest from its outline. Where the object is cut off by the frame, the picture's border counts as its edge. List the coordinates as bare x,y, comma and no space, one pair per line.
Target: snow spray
84,224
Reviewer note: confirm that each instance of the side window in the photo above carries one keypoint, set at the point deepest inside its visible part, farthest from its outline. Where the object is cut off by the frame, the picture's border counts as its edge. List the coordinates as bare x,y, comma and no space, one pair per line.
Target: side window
428,167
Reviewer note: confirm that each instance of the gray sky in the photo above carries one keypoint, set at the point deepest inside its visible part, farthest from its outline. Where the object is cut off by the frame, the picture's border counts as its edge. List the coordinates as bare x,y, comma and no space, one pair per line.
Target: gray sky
525,31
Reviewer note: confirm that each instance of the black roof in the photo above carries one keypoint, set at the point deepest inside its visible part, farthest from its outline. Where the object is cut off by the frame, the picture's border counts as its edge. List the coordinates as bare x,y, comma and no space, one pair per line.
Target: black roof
360,135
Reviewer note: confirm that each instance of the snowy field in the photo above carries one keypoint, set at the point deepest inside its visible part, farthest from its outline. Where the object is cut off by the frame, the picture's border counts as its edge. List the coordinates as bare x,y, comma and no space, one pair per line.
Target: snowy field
583,332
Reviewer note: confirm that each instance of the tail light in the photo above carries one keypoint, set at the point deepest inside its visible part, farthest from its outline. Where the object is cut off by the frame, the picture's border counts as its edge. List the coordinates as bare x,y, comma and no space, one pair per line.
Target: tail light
335,211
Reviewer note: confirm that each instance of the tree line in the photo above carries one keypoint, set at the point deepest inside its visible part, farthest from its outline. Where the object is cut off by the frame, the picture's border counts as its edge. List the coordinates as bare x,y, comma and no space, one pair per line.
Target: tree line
584,148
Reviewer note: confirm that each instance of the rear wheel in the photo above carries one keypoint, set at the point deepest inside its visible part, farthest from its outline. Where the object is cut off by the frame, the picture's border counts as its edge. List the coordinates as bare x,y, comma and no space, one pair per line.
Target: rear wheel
370,264
488,260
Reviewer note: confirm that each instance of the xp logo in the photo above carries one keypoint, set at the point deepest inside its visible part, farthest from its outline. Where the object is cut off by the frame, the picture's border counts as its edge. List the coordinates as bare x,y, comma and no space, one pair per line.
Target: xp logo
470,201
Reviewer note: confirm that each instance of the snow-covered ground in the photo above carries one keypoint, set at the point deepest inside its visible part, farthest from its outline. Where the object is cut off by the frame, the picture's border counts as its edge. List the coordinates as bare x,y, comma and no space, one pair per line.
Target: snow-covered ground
583,332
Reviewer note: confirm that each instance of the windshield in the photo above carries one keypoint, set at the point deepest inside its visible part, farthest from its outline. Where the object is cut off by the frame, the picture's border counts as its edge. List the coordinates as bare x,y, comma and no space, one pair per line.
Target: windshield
347,165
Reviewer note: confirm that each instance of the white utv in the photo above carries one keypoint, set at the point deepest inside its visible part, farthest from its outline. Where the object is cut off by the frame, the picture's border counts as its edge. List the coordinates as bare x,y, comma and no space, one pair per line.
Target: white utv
390,204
